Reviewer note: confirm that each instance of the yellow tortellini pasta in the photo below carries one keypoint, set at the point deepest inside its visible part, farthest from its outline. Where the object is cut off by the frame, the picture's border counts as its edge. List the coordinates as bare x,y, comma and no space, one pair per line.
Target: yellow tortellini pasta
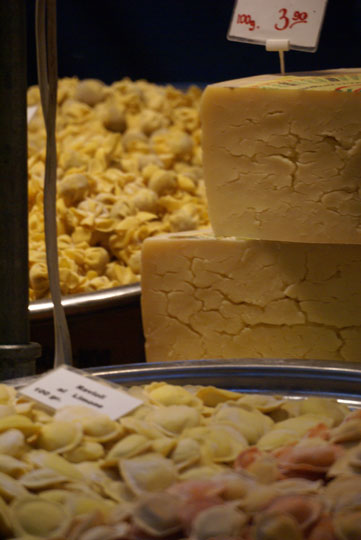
129,167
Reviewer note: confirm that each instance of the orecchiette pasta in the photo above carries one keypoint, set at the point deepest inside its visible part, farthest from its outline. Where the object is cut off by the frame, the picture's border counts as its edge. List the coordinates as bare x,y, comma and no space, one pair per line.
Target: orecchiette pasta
129,167
180,466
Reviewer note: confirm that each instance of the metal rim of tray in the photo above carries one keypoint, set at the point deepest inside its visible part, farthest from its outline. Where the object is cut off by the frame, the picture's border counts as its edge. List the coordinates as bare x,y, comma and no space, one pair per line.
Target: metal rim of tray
284,377
87,302
288,376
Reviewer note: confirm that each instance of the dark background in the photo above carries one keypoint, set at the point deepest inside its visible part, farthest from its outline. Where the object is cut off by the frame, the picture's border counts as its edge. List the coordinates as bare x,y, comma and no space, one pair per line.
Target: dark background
181,41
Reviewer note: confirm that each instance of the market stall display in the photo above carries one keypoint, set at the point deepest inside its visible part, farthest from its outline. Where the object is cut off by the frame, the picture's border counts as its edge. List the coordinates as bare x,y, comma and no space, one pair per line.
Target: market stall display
219,461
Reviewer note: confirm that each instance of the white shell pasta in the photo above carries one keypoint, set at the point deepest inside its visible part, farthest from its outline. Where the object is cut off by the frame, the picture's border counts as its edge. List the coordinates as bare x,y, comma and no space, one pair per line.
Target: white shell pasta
40,518
151,472
197,463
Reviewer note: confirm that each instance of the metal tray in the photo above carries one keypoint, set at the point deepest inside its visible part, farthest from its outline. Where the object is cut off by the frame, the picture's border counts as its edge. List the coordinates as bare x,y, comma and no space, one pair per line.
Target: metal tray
290,378
105,327
84,302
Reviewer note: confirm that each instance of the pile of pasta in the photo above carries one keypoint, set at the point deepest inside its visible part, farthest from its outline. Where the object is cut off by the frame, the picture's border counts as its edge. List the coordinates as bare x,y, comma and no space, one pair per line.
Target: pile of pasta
129,166
190,462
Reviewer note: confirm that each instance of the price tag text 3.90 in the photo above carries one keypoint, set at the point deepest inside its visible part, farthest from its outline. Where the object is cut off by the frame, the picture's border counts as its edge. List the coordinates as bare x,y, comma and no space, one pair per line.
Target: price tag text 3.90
285,20
296,21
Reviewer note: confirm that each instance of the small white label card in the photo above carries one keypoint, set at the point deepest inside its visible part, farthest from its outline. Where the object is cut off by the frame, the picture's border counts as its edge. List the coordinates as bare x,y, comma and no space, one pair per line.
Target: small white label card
298,21
66,386
31,111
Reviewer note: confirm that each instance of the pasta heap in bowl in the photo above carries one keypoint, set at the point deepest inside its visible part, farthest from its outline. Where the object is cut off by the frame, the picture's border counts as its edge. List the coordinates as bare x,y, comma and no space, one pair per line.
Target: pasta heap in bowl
129,167
196,463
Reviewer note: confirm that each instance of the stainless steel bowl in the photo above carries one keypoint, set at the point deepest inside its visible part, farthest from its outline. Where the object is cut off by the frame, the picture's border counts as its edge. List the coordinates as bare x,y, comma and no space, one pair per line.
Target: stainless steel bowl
290,378
287,377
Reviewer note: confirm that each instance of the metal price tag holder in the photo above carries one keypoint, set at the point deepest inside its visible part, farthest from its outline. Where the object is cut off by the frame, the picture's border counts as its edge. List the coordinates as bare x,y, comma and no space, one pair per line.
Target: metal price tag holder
279,25
46,54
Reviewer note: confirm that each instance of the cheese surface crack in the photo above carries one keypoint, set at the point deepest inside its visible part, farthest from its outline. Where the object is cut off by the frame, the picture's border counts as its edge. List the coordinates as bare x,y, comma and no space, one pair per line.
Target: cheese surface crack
282,157
205,297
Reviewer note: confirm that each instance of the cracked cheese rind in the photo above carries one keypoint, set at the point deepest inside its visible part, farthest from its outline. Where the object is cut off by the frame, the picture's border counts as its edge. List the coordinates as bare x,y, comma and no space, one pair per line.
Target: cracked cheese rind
282,157
205,297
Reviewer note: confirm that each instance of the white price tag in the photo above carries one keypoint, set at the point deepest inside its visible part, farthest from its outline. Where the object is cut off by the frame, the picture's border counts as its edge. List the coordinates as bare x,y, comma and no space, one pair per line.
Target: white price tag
298,21
64,386
31,111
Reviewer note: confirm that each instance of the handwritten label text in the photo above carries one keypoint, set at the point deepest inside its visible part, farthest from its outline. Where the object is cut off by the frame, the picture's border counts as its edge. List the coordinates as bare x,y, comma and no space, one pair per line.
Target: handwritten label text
63,386
297,22
242,18
286,22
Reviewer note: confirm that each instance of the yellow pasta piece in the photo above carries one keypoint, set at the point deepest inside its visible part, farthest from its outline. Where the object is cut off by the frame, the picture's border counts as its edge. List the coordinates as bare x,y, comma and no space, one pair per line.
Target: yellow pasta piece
126,171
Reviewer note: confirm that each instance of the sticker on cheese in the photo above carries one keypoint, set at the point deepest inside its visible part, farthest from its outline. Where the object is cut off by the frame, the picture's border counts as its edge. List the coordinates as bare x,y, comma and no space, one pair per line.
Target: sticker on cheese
221,298
282,157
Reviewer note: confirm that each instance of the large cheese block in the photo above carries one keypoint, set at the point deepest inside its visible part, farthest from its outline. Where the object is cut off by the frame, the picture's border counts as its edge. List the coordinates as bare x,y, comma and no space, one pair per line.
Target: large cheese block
282,157
207,297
